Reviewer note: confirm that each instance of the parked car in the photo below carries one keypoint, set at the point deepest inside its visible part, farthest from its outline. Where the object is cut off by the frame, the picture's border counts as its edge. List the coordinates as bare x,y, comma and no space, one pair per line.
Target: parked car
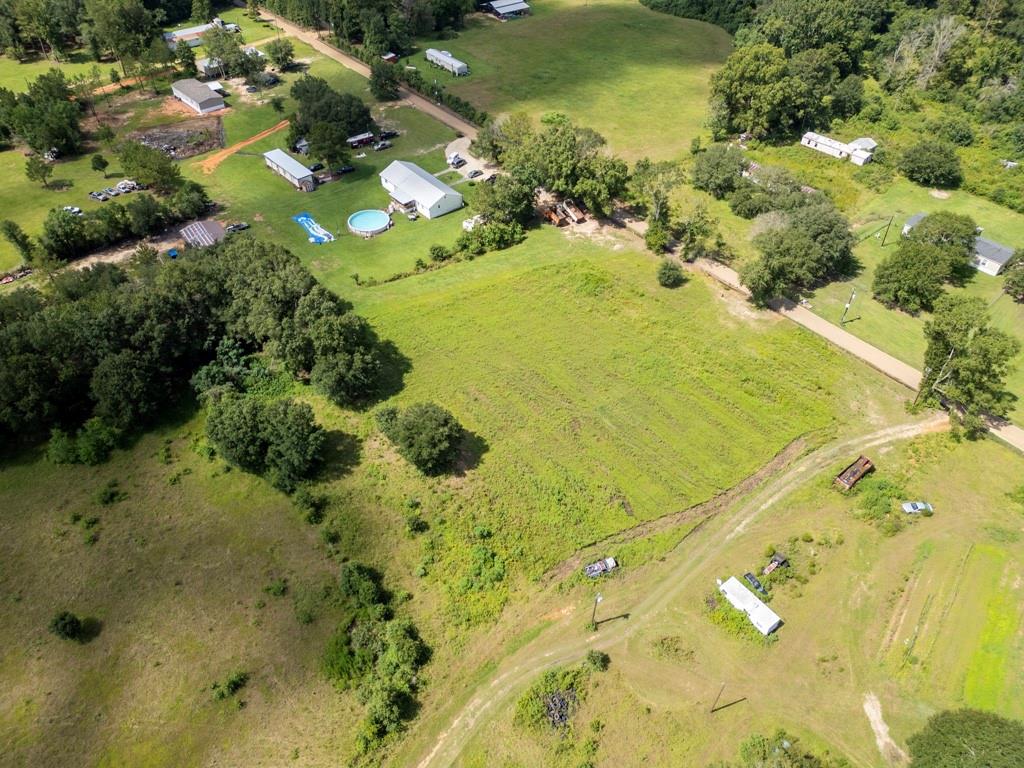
387,135
98,196
412,216
380,145
601,567
251,89
111,192
491,179
239,227
316,167
345,169
751,579
457,162
917,508
476,173
51,154
73,209
127,185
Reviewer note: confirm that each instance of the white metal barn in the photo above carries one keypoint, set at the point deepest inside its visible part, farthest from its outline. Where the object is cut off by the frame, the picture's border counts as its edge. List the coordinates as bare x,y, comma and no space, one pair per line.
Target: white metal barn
414,189
198,96
446,61
283,164
764,619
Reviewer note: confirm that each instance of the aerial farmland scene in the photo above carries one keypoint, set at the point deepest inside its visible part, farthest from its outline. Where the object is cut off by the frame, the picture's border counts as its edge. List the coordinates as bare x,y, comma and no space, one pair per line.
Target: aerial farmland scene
512,384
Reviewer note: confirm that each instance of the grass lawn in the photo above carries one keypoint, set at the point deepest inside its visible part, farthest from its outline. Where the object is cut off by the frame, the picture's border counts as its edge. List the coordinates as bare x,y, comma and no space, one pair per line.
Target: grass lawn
15,76
638,77
896,332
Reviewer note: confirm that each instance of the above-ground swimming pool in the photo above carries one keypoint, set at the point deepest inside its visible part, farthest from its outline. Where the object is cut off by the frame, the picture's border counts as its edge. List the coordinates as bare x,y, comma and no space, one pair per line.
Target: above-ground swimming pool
369,222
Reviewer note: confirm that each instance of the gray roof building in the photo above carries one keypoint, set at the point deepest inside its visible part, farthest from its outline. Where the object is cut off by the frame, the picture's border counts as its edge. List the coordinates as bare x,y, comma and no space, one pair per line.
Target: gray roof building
200,234
197,95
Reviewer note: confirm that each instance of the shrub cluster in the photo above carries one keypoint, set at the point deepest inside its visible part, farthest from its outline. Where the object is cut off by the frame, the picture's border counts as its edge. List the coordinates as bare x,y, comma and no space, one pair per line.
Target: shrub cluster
425,434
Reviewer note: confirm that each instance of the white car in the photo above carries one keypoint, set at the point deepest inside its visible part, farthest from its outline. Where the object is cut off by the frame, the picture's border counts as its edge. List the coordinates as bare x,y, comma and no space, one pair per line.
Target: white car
74,210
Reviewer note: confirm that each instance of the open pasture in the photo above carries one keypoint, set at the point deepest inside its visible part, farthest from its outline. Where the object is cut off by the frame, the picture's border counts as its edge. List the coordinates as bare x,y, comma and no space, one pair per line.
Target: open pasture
638,77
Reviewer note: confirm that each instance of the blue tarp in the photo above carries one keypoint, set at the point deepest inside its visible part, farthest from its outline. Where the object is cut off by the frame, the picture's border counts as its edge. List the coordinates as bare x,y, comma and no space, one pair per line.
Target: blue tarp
317,234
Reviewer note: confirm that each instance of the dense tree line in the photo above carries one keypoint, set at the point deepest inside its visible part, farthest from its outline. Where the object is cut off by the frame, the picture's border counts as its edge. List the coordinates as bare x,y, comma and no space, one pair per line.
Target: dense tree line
44,117
729,14
119,344
378,25
798,64
968,737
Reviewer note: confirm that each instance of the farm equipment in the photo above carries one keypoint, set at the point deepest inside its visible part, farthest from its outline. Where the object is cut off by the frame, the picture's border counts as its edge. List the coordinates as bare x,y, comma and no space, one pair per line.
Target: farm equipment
555,216
850,476
601,567
572,211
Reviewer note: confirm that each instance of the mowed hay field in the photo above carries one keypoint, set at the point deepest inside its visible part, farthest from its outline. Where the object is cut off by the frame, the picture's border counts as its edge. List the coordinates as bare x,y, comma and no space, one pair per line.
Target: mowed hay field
924,620
638,77
605,400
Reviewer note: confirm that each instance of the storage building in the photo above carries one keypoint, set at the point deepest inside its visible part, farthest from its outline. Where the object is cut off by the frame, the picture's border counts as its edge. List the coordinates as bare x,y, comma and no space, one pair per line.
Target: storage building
414,189
509,9
764,619
197,95
210,67
446,61
201,234
283,164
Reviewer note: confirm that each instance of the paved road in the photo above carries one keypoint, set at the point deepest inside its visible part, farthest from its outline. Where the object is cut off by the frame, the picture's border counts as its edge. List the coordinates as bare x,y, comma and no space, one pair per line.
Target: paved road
563,643
414,100
895,369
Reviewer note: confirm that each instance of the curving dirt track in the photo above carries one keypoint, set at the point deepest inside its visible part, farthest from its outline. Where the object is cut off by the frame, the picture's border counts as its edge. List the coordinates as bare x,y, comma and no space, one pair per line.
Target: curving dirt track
209,164
562,644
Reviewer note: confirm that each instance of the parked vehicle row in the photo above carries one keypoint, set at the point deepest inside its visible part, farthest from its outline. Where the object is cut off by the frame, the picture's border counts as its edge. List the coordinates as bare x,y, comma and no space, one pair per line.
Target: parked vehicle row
121,188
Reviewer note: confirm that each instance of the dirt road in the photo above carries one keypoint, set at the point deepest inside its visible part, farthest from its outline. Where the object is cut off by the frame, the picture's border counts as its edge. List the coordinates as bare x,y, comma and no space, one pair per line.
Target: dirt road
895,369
562,643
209,164
312,39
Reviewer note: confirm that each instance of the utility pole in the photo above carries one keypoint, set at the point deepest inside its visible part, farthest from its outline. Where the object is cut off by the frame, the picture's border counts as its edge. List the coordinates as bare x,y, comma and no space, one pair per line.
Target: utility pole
593,615
887,229
846,309
719,696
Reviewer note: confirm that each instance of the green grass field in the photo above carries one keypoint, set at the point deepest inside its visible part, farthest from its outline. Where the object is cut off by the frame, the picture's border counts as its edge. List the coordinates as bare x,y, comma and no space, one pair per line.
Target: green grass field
885,599
638,77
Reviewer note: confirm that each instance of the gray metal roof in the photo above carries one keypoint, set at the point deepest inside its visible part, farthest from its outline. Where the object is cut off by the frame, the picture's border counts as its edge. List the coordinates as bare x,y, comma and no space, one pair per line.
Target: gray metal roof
914,220
993,251
203,233
288,164
198,92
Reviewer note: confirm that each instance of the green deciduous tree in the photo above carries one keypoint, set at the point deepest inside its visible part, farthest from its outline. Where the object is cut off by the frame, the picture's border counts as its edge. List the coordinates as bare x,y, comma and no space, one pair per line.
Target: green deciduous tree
37,169
281,53
425,434
383,81
968,737
186,59
1013,283
912,277
650,187
755,92
66,626
670,275
99,164
967,360
202,11
16,236
932,163
717,170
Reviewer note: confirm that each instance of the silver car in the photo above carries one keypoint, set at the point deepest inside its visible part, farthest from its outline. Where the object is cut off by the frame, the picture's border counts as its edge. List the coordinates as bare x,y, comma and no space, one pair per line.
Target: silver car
917,507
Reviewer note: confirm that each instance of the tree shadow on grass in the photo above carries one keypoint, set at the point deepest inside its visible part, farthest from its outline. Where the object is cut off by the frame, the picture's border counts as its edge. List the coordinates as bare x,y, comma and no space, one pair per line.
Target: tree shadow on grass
471,450
91,629
394,368
58,185
342,453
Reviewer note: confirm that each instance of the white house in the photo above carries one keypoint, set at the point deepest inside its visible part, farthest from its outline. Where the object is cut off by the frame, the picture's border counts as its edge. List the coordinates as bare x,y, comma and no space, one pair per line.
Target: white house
197,95
859,151
192,36
283,164
989,256
446,61
412,188
764,619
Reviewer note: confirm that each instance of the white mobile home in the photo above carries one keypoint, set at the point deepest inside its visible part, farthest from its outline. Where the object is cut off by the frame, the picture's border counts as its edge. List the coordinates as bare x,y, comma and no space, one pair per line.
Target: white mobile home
283,164
859,151
414,189
446,61
198,96
764,619
989,256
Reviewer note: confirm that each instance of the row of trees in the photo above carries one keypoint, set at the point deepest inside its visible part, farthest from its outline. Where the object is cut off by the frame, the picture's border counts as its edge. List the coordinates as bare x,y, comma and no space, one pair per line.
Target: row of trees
120,344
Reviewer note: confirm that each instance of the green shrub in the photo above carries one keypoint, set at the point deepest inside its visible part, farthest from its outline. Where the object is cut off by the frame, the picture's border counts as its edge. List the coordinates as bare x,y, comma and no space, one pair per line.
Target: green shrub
932,163
670,274
657,237
596,660
66,626
277,588
439,253
425,434
110,493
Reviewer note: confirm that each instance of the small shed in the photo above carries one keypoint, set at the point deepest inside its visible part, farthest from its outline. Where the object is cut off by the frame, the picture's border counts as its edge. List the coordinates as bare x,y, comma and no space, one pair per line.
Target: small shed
198,96
764,619
283,164
202,234
509,9
446,61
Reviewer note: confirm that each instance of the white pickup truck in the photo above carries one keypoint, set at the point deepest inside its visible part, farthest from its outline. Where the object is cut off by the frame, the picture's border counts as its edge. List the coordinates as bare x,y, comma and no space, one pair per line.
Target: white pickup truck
601,567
